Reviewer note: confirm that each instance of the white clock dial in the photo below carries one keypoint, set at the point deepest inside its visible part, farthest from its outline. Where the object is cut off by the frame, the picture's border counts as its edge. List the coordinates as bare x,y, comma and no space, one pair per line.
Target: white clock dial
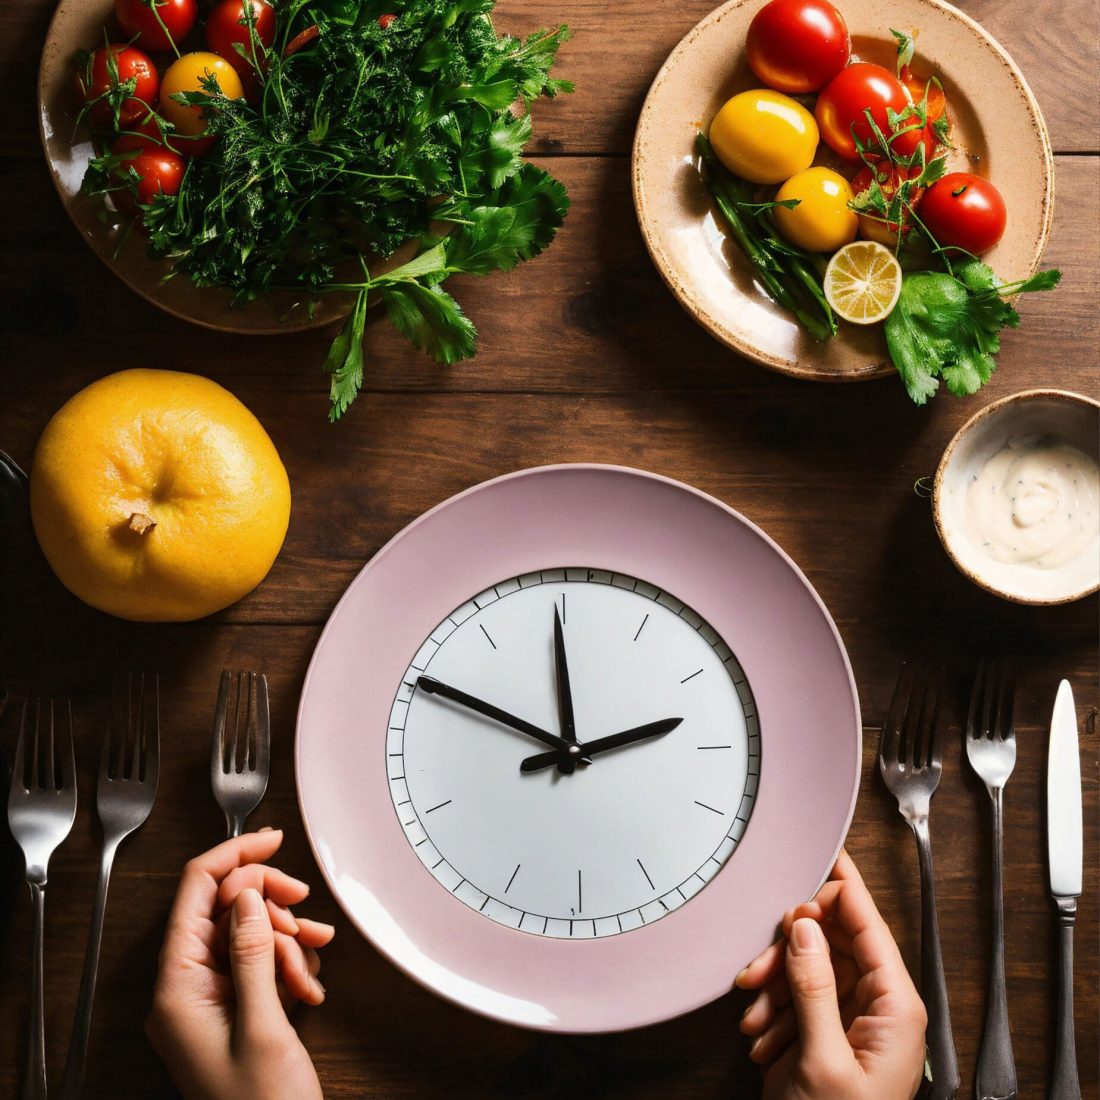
612,844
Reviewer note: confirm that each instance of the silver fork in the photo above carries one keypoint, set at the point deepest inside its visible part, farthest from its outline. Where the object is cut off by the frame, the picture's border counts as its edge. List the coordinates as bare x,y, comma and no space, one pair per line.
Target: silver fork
41,809
991,750
240,756
129,768
911,760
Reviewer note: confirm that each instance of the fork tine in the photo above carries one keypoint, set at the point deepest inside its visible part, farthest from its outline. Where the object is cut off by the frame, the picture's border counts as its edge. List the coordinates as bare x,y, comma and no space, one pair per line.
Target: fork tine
990,691
67,750
910,732
19,765
976,692
930,716
936,759
236,763
139,730
249,751
1004,728
262,761
150,772
889,747
220,713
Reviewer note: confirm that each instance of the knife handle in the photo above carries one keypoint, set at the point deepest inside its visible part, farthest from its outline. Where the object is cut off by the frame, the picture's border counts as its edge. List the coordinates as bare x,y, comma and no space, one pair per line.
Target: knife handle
1065,1085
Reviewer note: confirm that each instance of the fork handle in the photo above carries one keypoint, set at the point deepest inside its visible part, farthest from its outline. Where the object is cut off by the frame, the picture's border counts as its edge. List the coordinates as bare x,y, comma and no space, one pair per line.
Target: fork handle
72,1085
1065,1084
933,984
34,1082
995,1076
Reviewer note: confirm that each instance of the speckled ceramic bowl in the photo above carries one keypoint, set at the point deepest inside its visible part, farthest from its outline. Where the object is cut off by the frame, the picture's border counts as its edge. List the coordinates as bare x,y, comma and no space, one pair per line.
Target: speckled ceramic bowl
997,128
1061,415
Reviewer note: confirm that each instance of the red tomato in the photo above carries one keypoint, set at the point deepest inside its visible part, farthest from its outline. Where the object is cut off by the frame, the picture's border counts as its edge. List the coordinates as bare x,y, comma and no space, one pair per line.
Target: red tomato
225,28
158,170
136,17
915,85
384,21
964,211
842,103
889,179
797,46
97,79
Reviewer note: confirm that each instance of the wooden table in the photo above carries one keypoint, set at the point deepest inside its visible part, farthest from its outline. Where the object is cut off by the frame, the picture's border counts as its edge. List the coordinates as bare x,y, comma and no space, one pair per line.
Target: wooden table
585,356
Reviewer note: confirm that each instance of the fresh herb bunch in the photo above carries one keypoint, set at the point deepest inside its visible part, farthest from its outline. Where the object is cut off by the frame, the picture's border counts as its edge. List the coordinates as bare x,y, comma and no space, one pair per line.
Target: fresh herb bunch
374,133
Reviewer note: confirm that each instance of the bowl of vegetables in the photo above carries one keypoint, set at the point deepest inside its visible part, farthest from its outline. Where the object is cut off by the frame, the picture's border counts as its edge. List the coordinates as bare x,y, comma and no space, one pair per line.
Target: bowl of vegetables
843,192
261,166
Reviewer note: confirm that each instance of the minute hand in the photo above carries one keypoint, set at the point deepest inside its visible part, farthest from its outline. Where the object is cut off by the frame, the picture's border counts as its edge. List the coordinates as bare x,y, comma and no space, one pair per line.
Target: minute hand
434,687
602,744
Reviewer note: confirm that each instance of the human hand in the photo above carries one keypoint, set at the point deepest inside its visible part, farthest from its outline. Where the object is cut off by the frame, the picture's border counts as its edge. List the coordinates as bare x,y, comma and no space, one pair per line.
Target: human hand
837,1014
234,960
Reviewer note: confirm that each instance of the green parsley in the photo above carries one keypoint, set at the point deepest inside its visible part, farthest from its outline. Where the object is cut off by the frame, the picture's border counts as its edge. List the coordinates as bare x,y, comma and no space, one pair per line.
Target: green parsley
367,137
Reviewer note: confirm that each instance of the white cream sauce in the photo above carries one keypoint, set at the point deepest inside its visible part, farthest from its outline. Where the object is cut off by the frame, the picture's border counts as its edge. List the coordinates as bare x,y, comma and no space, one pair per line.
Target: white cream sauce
1035,502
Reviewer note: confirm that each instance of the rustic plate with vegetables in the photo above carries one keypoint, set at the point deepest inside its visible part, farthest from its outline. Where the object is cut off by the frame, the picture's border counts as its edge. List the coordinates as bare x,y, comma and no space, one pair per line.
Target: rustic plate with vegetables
262,166
839,191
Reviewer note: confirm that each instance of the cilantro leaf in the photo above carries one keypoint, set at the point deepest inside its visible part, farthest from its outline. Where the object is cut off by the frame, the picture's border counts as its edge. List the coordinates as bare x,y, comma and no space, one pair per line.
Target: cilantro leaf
431,319
345,360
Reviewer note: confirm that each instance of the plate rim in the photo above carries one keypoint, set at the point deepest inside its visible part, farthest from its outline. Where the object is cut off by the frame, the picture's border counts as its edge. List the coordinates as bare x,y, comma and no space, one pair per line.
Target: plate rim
669,271
630,1020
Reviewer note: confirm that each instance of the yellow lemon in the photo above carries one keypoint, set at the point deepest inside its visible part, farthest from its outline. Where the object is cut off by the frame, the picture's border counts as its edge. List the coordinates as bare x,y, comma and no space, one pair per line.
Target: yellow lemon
822,221
157,496
763,136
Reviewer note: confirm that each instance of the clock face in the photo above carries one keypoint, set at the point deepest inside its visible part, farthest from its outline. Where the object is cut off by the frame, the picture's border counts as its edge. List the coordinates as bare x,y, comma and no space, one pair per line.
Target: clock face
583,841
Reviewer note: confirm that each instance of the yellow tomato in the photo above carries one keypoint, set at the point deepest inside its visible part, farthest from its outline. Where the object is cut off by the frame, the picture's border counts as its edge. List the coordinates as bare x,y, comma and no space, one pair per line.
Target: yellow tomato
186,75
158,497
821,222
763,136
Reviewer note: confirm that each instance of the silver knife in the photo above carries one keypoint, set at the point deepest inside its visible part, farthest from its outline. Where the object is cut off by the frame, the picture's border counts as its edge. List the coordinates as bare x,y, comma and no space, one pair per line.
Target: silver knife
1064,851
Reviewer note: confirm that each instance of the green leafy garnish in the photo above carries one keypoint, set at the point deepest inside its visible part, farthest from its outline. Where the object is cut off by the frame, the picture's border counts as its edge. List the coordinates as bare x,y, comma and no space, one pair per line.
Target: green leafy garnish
373,134
948,325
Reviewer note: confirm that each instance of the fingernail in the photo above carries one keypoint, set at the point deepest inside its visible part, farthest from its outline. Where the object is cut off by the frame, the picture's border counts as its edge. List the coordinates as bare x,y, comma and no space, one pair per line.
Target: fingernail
748,1008
806,937
740,975
266,829
250,906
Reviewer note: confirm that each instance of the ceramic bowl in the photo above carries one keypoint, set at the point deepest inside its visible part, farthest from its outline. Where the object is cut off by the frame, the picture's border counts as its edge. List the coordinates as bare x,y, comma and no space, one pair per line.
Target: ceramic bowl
1058,414
997,128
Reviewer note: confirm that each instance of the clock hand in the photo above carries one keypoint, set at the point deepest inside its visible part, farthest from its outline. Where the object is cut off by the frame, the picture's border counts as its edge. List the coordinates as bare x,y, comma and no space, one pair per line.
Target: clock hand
602,744
432,686
566,765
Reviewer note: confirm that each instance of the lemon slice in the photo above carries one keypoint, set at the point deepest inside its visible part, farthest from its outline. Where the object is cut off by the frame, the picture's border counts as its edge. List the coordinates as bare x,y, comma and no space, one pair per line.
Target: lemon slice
863,282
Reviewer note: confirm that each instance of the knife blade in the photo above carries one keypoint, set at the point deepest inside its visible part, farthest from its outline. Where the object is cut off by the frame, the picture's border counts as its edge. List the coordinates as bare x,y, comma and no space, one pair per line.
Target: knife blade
1064,827
1064,851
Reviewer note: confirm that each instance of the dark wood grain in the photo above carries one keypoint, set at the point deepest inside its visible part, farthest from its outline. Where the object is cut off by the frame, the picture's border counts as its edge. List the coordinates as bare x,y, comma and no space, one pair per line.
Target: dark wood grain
584,357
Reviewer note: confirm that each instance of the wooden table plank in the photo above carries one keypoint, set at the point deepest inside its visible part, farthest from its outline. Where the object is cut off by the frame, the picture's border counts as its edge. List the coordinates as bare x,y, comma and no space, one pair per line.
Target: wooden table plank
589,316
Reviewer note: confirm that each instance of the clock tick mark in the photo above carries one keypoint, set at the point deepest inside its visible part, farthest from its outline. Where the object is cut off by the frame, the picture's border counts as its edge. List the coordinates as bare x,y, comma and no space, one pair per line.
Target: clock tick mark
714,746
455,890
711,808
486,633
644,621
663,906
513,878
436,864
481,908
691,677
646,873
580,895
439,807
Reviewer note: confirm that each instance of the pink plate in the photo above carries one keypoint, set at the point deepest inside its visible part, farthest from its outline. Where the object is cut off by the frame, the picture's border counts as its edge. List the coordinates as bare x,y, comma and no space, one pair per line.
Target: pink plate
624,521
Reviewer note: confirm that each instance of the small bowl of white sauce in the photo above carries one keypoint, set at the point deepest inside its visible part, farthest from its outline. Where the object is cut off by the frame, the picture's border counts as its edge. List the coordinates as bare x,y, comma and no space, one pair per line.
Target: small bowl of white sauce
1017,497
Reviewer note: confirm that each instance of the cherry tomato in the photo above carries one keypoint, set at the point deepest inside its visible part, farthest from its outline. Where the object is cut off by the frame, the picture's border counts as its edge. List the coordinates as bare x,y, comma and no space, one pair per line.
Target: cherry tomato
226,27
186,75
136,17
916,85
841,106
764,136
97,79
797,46
964,211
158,169
384,21
822,221
889,178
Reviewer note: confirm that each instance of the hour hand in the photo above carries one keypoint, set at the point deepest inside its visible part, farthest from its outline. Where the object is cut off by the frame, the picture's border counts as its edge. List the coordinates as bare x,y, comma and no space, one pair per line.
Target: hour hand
602,744
432,686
